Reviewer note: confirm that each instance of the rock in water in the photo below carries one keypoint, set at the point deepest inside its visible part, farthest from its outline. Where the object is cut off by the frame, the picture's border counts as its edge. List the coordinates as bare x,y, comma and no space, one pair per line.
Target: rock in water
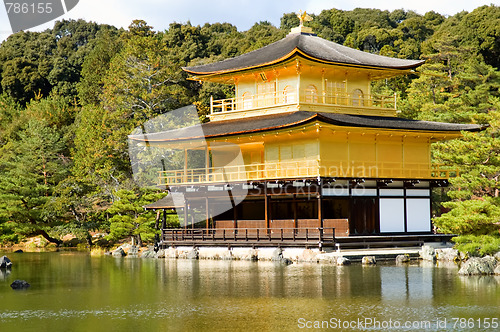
478,266
193,254
447,254
19,284
277,256
343,261
368,260
427,253
133,251
149,254
402,259
5,263
119,252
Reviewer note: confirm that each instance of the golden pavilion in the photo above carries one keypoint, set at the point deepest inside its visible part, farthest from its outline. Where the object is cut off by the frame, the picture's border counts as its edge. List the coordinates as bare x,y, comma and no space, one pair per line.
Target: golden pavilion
319,158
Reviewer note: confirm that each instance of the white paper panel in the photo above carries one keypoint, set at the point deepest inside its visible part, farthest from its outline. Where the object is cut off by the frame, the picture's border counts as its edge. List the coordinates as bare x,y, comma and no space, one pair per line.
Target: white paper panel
364,192
336,191
417,192
392,213
392,192
418,213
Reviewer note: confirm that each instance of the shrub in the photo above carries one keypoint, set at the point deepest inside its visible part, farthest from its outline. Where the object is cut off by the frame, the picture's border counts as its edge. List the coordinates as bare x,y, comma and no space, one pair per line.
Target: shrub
477,245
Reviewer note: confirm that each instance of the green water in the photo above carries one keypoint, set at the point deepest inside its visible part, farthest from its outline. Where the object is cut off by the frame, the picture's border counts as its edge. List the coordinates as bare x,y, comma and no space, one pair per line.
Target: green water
73,291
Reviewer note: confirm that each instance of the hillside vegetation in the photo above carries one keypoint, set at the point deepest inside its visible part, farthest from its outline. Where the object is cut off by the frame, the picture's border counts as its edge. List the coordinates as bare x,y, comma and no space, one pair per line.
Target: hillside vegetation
69,97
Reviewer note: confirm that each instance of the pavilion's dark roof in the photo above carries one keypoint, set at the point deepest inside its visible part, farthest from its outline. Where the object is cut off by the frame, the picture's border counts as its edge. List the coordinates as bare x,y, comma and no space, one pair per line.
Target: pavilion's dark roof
171,201
292,119
308,45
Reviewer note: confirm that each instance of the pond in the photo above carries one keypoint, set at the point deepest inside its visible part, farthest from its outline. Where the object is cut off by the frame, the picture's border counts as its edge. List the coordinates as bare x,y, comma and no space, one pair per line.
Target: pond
73,291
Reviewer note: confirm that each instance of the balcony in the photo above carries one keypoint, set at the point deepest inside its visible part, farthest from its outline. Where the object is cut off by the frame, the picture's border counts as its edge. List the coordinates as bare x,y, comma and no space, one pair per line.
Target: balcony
329,102
304,169
239,173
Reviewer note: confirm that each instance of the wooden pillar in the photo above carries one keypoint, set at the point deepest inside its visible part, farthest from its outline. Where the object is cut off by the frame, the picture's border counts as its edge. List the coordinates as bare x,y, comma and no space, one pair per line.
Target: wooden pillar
164,219
266,206
235,216
185,213
298,71
206,212
207,164
157,220
185,165
157,227
294,209
323,85
320,201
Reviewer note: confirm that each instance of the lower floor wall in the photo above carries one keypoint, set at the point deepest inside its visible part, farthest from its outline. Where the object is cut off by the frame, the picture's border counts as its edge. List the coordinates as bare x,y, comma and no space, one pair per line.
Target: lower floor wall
368,209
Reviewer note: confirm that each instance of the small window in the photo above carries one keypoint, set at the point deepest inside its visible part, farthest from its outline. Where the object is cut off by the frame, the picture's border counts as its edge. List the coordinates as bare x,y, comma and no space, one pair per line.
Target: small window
266,93
247,100
311,94
357,98
336,92
288,95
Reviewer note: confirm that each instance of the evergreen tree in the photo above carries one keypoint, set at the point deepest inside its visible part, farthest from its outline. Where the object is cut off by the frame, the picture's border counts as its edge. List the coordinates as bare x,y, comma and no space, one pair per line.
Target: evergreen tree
30,170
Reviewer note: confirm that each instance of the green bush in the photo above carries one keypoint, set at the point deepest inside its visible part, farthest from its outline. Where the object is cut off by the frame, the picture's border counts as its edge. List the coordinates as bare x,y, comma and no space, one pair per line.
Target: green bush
477,245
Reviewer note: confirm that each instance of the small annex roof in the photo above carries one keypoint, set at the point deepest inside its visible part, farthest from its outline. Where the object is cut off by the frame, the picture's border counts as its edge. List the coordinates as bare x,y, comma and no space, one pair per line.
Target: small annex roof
309,46
291,119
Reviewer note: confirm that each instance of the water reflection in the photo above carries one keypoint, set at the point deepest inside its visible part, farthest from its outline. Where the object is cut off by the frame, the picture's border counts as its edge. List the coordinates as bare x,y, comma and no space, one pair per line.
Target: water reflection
86,293
4,273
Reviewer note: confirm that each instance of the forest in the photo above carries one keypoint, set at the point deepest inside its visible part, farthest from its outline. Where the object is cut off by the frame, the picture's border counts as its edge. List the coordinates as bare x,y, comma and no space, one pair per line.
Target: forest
70,95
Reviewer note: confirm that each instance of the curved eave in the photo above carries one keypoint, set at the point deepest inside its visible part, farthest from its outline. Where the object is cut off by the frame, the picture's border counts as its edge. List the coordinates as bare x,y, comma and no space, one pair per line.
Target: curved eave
296,52
232,133
283,121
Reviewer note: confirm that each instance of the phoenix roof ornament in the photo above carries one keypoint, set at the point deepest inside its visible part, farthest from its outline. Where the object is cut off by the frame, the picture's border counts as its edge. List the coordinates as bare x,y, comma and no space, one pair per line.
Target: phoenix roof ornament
303,17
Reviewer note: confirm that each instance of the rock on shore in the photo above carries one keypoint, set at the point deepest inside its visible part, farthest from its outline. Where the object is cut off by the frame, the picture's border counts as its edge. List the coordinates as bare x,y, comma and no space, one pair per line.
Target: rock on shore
479,266
368,260
427,253
400,259
5,262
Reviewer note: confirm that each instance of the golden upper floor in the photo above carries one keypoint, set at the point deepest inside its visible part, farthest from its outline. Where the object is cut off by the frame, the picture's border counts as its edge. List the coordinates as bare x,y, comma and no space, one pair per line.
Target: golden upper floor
303,72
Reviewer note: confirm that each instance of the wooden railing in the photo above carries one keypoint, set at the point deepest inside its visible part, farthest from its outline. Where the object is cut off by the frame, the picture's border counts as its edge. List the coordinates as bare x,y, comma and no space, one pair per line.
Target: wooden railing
305,169
291,169
291,97
282,236
440,171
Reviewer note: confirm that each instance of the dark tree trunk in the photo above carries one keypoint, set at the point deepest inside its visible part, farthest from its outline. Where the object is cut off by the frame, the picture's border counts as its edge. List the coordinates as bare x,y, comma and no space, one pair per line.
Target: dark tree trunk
48,237
138,240
89,240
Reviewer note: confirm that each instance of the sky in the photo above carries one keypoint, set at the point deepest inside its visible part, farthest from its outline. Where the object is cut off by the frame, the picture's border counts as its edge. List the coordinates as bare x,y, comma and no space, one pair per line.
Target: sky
241,13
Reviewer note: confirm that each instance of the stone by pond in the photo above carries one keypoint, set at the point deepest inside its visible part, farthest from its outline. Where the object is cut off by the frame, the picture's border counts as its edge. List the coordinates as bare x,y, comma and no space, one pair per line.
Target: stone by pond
5,262
20,284
479,266
368,260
